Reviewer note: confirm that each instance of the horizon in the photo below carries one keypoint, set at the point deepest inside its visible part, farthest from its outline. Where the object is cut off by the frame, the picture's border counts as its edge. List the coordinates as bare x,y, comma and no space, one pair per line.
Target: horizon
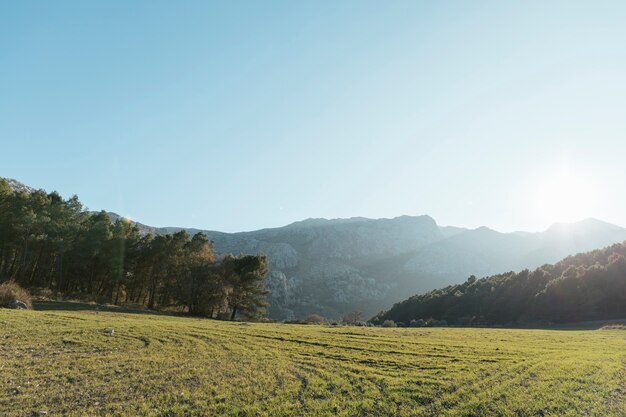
434,218
238,117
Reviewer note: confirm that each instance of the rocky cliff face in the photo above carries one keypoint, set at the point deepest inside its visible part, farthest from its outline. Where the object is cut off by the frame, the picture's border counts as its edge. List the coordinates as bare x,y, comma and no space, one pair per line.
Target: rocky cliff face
330,267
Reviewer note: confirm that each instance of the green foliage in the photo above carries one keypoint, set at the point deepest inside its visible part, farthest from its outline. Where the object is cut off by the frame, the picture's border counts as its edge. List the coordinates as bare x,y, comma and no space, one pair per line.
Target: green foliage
587,286
63,363
244,277
50,243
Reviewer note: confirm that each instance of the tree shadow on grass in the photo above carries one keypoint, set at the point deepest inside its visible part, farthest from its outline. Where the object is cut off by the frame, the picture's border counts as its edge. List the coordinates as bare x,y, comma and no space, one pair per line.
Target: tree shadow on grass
83,306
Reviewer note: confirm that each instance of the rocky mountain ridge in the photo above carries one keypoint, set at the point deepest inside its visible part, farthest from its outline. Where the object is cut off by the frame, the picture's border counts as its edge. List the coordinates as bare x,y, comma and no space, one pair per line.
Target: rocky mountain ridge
330,267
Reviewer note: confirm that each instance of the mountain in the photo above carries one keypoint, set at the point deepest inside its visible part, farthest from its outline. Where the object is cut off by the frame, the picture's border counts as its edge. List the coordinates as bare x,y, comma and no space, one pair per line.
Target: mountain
585,287
330,267
334,266
483,251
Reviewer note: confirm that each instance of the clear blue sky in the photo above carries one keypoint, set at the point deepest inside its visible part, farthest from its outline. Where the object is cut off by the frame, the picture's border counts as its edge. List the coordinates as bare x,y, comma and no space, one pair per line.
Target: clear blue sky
238,115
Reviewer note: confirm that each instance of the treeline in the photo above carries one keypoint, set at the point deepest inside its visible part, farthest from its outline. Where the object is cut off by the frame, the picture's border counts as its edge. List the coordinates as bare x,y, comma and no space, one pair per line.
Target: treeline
587,286
51,243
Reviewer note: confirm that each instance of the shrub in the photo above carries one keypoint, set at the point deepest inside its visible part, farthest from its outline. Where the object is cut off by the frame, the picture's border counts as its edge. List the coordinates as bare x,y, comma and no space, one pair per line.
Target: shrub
353,317
418,323
314,319
435,323
11,292
388,323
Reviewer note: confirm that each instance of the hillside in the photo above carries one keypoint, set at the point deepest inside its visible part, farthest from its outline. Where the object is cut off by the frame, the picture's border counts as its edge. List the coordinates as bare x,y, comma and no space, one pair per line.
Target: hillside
331,267
65,364
334,266
587,286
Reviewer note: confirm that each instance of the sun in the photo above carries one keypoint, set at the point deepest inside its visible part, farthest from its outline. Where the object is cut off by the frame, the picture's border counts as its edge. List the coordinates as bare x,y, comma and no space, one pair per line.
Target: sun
564,196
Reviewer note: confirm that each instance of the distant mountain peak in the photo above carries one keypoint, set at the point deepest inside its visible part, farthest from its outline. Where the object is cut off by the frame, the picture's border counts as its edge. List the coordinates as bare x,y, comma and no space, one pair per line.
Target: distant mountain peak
321,221
587,224
486,231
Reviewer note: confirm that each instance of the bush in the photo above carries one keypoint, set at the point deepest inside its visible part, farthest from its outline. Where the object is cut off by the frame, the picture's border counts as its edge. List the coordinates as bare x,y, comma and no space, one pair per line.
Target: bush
435,323
388,323
418,323
314,319
353,317
11,292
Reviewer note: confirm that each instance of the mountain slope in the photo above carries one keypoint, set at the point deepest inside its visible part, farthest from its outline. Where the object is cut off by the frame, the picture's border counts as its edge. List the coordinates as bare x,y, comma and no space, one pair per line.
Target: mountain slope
587,286
334,266
331,267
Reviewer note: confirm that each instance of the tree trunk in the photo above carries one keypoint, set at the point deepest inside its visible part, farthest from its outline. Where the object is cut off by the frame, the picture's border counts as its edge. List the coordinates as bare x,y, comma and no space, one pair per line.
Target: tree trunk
11,270
60,278
34,269
152,295
117,295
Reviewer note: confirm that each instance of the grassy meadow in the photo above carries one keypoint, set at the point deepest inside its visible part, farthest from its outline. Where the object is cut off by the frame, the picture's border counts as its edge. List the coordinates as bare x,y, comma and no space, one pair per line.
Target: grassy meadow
63,363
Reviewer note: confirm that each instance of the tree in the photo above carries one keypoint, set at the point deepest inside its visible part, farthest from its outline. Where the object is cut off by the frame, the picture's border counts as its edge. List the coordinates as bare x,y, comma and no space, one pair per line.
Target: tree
50,242
245,277
586,286
199,286
353,317
314,319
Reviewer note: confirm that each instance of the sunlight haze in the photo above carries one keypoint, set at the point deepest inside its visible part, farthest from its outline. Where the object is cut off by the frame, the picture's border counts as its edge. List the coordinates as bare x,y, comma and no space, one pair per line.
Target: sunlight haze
225,117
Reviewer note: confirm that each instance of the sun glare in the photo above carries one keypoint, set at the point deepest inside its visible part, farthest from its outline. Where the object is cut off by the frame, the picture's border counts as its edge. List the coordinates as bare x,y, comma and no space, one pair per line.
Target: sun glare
564,196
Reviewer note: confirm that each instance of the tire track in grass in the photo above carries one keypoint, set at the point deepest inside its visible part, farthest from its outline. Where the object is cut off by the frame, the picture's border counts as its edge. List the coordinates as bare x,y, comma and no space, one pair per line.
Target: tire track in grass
327,358
465,387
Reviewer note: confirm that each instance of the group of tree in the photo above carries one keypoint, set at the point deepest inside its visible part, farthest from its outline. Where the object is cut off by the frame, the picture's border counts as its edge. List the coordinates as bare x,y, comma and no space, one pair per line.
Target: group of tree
52,243
587,286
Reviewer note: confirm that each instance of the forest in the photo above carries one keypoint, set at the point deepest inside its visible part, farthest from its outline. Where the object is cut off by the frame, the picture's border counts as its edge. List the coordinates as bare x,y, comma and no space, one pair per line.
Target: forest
51,243
586,286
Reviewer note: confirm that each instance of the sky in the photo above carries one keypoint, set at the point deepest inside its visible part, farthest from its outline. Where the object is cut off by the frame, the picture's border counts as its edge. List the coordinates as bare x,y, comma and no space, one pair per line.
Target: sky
243,115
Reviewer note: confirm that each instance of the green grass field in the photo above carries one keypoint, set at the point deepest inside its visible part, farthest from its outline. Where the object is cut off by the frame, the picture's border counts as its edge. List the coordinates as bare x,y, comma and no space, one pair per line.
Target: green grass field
62,363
